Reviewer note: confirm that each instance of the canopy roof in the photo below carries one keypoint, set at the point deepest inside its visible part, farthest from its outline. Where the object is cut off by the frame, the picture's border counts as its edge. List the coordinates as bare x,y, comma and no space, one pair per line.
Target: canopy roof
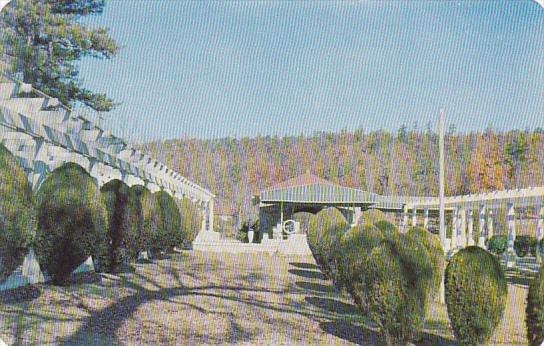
310,189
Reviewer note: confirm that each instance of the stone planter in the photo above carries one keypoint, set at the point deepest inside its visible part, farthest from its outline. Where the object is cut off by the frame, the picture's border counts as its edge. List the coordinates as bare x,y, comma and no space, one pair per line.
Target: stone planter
250,236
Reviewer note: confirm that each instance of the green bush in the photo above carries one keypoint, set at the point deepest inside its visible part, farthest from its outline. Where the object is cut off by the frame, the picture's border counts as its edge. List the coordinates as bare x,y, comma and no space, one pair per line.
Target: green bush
525,244
331,227
133,241
354,251
17,214
497,244
535,310
371,216
150,219
168,233
191,221
72,222
116,194
390,276
541,246
476,292
313,237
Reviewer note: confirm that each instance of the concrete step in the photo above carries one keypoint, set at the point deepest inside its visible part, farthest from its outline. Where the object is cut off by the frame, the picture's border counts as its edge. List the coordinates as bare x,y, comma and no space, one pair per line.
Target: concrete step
25,105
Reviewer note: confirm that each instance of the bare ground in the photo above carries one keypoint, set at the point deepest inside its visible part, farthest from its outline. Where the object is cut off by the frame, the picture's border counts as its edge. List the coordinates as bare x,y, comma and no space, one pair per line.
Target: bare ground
196,298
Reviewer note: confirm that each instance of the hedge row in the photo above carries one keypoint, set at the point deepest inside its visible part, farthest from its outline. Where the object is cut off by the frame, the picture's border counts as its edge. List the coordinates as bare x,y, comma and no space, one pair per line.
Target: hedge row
71,219
17,213
392,277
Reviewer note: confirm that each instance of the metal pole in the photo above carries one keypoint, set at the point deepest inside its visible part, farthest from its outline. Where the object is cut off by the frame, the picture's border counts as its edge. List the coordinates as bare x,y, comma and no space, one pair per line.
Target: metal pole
441,188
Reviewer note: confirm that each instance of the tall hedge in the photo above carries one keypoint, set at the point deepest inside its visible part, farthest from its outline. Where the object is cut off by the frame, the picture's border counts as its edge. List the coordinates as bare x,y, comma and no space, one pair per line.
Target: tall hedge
71,222
476,292
134,240
17,213
390,276
144,212
116,200
327,230
191,221
534,311
168,222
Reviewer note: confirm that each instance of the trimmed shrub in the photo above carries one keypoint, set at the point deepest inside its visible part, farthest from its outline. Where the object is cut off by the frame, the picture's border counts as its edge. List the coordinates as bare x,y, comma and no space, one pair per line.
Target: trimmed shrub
387,297
497,244
313,236
476,292
432,244
133,239
525,244
168,232
191,221
355,248
17,213
116,194
330,228
150,218
71,222
371,216
534,311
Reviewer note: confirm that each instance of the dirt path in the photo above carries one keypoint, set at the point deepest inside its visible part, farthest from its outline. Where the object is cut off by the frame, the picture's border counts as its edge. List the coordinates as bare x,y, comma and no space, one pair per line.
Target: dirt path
198,298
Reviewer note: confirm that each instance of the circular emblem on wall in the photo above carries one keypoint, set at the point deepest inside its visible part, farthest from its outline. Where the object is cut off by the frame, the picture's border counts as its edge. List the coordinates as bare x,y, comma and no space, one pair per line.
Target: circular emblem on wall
289,227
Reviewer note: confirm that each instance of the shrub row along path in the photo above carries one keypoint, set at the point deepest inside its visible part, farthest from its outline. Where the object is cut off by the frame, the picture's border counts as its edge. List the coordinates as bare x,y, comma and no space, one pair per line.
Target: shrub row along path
200,298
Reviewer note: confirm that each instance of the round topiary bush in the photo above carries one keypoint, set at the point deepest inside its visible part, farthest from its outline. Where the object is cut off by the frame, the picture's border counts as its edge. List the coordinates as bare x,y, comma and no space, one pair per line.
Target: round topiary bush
169,222
524,245
476,292
371,216
388,296
17,213
354,250
497,244
116,200
534,311
191,221
330,229
72,222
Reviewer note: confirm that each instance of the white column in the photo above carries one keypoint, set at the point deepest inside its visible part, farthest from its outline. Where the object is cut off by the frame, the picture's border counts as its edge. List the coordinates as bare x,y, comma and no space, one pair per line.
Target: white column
511,217
462,230
454,230
404,220
210,215
489,223
481,228
426,219
470,227
414,217
539,233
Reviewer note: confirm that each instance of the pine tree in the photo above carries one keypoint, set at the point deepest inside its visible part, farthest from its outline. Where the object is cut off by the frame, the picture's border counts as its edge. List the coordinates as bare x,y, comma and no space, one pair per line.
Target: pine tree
44,40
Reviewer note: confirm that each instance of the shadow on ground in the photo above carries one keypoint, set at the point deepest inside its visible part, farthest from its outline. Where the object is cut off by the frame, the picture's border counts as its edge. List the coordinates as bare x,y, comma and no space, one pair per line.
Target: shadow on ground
315,287
332,305
21,294
303,265
345,330
308,274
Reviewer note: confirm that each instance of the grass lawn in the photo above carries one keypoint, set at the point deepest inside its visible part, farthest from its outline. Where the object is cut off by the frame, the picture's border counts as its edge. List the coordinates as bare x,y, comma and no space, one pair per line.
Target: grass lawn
197,298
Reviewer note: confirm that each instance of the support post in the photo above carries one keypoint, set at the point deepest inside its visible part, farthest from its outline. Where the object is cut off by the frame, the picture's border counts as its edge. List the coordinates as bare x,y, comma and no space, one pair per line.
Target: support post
426,219
454,229
404,219
442,230
414,217
470,228
511,217
210,215
539,234
481,228
489,223
463,228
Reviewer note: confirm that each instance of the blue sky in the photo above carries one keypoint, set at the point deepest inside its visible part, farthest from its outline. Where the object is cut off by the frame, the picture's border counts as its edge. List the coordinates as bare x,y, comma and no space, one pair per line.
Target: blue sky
195,69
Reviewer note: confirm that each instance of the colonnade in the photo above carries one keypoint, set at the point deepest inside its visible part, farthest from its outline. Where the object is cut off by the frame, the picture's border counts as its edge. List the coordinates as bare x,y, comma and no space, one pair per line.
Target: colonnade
462,225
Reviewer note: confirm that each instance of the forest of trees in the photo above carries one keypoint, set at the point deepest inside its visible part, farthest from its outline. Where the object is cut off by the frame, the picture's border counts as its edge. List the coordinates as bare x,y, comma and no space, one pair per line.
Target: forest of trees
402,163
